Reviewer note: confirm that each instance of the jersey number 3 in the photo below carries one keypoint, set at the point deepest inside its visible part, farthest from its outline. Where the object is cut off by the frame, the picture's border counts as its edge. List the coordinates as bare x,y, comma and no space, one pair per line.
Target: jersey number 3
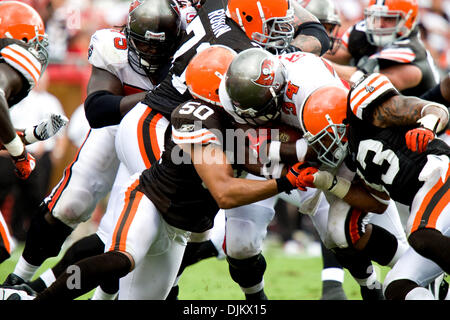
376,165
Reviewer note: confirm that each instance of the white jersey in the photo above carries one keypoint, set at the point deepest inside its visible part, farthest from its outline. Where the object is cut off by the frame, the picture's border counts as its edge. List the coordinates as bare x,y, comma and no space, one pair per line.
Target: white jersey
90,177
108,50
306,73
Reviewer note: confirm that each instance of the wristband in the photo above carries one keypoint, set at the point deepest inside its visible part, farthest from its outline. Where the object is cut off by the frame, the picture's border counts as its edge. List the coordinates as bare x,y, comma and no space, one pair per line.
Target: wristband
15,147
272,171
283,185
301,147
432,121
29,135
274,151
340,187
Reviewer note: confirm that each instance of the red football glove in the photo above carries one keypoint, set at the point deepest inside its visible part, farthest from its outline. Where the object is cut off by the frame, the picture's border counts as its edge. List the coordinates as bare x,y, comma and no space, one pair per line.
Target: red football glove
417,139
25,164
294,173
306,178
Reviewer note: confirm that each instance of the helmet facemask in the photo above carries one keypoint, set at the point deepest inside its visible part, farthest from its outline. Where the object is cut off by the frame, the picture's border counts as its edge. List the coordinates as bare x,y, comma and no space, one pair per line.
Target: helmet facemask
376,16
332,29
40,44
277,32
330,143
149,53
262,114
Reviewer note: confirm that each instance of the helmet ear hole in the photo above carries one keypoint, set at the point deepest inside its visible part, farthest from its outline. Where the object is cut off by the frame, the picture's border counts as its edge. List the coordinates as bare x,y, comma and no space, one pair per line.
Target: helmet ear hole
25,39
249,18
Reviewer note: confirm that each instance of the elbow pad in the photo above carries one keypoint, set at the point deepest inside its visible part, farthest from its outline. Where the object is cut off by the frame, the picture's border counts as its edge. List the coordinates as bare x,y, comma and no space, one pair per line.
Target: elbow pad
316,30
102,108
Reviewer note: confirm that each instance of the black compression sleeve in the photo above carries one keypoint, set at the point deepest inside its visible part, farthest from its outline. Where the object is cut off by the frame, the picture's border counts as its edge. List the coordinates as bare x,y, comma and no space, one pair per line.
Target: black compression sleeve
316,30
435,95
102,109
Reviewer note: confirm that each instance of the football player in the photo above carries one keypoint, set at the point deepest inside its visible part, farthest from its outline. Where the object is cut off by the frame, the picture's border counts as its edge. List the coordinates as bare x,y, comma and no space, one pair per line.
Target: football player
23,58
177,195
306,74
393,168
387,41
125,64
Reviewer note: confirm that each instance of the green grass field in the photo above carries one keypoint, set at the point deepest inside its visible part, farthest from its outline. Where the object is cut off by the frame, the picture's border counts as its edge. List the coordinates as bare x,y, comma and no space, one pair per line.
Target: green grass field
287,277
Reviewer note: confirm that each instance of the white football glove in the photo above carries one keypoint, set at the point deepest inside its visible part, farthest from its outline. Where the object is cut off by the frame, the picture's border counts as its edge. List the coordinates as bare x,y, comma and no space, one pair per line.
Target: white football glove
47,128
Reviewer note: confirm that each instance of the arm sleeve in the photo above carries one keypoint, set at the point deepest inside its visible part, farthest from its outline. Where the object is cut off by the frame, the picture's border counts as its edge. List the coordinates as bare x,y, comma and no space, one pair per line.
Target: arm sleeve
316,30
102,109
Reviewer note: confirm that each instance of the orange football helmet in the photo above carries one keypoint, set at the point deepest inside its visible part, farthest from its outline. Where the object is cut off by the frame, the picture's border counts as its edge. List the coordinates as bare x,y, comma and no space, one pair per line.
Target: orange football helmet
267,22
21,22
205,71
322,121
389,20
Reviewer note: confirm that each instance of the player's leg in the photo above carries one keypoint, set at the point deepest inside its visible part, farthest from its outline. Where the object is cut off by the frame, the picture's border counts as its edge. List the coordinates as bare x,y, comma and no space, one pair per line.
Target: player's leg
70,203
7,244
134,232
315,205
153,277
246,228
409,277
202,249
430,213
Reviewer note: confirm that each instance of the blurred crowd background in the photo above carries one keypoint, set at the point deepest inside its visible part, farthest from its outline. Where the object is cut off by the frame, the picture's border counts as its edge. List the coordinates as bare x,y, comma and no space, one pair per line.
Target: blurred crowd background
69,25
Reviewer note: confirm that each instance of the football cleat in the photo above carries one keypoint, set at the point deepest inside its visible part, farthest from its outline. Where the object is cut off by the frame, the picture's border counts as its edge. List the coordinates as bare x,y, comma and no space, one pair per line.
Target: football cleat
375,293
14,294
439,287
260,295
332,290
12,280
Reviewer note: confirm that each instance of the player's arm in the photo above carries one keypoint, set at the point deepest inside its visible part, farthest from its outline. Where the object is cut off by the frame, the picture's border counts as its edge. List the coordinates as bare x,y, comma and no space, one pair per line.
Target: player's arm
106,103
214,169
356,193
11,83
310,34
440,93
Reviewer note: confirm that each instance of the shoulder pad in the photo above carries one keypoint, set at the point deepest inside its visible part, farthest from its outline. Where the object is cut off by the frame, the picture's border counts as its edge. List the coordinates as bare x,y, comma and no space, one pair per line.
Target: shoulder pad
369,91
21,59
395,53
196,122
108,47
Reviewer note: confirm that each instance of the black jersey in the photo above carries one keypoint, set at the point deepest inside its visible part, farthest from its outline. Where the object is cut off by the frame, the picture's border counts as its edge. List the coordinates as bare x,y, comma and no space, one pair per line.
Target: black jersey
172,184
410,50
22,58
210,27
380,155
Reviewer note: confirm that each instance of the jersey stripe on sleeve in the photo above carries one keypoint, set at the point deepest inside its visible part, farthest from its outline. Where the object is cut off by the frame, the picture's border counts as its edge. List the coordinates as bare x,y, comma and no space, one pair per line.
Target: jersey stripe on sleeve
368,91
202,136
23,61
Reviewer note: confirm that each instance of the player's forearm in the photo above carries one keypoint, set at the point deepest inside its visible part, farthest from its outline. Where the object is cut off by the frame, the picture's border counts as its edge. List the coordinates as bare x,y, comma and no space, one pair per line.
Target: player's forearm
344,72
128,102
7,132
238,192
407,111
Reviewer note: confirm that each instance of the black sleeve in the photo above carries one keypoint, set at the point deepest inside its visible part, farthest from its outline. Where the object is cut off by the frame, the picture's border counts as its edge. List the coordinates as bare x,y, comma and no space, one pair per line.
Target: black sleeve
316,30
435,95
102,108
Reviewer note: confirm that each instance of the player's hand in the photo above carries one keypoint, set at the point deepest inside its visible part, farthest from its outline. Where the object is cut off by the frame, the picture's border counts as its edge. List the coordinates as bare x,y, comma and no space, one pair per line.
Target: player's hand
417,139
25,164
294,173
306,178
46,129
